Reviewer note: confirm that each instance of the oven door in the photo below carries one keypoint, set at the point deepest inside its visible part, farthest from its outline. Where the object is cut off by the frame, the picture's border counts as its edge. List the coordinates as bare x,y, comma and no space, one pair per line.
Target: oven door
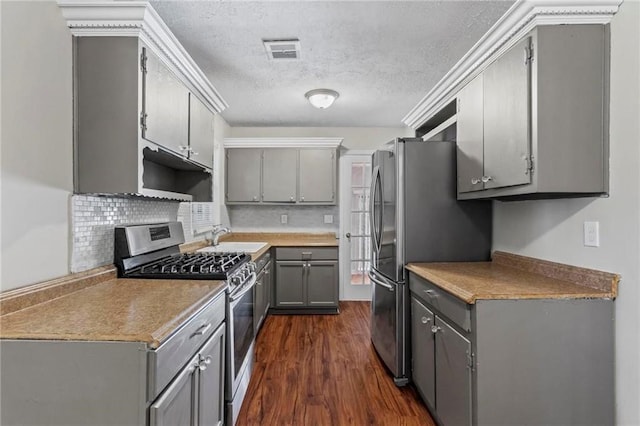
241,334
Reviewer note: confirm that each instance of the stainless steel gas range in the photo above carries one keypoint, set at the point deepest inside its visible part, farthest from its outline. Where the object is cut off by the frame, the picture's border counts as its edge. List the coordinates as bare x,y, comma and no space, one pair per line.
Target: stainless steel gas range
152,251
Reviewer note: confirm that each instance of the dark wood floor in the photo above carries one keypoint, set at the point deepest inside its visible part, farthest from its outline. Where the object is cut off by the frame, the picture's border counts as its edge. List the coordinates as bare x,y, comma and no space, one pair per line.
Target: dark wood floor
323,370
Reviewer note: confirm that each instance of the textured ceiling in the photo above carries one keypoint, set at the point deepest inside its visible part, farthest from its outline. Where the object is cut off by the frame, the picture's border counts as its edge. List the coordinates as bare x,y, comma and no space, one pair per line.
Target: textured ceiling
382,57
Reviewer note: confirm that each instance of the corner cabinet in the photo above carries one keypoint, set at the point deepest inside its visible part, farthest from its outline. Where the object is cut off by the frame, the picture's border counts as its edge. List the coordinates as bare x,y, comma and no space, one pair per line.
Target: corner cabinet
512,361
528,127
143,110
306,280
281,171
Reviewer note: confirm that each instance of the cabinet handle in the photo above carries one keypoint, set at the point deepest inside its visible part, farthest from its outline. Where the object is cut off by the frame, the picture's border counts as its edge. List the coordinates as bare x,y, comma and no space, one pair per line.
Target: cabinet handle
194,152
183,148
435,329
475,181
291,199
431,293
202,365
302,198
255,198
201,330
425,320
486,179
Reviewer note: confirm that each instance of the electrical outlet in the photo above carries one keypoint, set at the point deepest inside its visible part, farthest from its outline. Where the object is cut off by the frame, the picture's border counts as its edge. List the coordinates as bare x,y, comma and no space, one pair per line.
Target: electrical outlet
284,219
328,218
592,234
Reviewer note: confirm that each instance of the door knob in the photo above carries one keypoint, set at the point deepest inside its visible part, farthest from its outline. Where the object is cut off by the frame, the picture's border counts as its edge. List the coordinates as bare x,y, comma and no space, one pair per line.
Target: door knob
348,235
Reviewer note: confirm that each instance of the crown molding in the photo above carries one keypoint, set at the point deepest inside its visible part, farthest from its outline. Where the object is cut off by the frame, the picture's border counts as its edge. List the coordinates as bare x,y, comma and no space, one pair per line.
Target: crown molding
282,142
139,19
519,20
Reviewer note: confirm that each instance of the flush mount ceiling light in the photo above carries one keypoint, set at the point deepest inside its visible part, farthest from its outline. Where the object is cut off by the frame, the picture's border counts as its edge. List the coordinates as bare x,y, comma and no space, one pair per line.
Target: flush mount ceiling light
322,98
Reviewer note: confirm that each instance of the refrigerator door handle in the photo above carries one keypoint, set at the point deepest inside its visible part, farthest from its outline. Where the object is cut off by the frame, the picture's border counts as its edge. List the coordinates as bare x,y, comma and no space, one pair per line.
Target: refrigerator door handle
374,189
377,281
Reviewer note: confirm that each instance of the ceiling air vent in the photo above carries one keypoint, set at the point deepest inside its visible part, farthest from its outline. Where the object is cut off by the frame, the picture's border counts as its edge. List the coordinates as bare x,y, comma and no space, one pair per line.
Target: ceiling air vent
282,49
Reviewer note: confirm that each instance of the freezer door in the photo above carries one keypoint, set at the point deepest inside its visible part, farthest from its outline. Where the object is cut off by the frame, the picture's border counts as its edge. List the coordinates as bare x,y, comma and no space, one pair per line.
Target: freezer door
388,325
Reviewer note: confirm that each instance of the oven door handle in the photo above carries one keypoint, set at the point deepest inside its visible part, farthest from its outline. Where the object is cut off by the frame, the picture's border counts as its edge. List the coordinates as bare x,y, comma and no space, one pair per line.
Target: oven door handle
245,288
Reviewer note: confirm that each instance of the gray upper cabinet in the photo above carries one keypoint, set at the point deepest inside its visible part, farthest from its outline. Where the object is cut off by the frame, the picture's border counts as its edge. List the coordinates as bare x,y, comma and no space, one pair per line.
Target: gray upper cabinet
166,106
243,173
279,172
317,176
507,104
470,139
200,132
132,124
274,175
543,130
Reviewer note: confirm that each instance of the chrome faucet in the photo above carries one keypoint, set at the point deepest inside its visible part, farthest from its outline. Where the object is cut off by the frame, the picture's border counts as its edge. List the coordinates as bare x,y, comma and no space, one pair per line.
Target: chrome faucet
217,233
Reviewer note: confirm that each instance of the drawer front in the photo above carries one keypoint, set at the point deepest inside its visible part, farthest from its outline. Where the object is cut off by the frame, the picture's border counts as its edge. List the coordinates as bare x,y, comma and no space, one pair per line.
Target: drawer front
450,306
307,253
171,356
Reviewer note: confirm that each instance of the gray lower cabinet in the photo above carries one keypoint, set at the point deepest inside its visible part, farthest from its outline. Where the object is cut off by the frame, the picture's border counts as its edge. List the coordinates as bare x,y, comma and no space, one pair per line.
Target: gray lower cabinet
262,296
196,395
100,383
306,279
506,362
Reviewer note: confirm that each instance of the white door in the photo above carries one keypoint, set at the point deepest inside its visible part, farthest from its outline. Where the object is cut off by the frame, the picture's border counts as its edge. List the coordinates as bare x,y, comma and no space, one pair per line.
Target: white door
355,240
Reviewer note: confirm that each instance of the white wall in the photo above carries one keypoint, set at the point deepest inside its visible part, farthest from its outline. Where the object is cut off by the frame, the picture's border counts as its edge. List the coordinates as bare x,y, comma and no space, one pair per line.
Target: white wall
553,229
36,143
354,137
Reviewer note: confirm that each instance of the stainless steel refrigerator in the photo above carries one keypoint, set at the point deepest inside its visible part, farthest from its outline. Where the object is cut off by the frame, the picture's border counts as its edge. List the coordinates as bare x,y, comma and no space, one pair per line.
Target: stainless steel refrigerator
415,217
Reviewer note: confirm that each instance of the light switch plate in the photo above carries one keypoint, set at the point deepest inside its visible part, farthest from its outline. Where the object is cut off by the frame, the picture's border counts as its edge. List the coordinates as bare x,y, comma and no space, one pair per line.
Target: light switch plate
592,234
284,219
328,218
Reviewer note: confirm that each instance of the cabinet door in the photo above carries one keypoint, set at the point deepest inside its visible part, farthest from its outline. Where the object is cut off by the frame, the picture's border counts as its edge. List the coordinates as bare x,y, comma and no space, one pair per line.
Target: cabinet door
290,289
176,405
166,105
322,283
200,132
507,112
211,390
259,301
279,172
317,176
423,352
268,282
243,175
453,377
470,137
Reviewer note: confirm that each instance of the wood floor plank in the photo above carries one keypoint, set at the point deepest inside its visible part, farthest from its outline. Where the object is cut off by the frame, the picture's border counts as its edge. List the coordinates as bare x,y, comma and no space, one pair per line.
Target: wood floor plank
323,370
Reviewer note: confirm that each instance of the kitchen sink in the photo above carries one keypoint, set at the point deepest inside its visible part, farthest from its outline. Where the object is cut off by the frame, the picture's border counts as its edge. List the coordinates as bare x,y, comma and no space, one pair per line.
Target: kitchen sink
227,247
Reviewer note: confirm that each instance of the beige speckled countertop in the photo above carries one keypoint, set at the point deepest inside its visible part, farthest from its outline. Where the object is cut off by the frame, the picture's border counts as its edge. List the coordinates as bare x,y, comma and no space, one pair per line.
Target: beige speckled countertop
510,276
282,240
95,305
133,310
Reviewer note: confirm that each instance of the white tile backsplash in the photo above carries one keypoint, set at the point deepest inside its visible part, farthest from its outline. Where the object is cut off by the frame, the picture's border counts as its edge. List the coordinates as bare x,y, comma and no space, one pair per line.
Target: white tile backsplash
266,218
94,218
